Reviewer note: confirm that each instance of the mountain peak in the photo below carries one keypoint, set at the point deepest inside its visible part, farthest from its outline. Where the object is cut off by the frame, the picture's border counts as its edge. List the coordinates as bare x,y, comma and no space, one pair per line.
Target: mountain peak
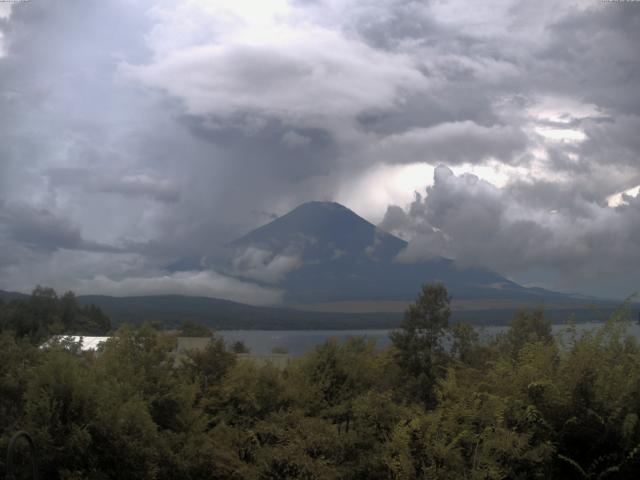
324,252
321,206
328,226
323,211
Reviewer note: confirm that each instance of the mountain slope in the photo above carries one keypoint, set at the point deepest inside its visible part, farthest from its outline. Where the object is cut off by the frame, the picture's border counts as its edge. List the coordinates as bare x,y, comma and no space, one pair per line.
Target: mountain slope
342,257
8,296
323,231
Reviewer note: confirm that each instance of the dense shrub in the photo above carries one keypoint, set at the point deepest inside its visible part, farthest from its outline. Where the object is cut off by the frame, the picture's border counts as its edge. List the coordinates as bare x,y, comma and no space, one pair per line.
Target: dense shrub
524,405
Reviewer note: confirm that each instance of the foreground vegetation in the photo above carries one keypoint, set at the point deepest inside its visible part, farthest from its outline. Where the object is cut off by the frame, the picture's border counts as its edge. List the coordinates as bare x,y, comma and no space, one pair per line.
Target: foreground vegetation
523,405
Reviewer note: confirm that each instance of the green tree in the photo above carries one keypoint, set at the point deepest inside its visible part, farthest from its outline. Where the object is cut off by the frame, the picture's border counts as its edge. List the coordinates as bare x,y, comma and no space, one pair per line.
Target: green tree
465,345
17,358
190,328
418,342
68,311
90,320
206,367
86,424
247,395
44,314
527,326
239,347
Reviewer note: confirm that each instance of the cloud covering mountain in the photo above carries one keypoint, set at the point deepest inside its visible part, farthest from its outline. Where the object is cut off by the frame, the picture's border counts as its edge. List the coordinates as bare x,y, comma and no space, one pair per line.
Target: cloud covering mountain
135,134
322,252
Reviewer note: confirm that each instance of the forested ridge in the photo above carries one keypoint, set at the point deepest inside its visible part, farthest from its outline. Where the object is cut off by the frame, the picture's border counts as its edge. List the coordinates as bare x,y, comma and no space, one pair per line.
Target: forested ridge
44,313
523,405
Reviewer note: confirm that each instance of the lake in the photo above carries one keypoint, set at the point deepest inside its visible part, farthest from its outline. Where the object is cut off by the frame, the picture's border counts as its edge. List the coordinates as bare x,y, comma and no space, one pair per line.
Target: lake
298,342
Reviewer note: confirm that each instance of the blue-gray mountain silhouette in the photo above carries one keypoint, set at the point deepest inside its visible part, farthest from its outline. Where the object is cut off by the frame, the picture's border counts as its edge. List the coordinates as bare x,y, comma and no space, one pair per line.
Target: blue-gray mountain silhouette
344,257
324,231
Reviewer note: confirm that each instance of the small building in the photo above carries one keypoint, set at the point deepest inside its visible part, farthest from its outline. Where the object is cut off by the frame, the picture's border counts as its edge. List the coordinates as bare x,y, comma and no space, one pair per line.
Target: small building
85,343
183,345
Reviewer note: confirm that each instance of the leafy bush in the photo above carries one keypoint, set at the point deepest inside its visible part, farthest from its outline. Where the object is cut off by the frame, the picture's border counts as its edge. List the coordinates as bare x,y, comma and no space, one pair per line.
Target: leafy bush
523,405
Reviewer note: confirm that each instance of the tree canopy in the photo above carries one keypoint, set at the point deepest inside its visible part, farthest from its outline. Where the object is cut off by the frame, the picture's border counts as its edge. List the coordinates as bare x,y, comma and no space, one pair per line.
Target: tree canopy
44,313
522,405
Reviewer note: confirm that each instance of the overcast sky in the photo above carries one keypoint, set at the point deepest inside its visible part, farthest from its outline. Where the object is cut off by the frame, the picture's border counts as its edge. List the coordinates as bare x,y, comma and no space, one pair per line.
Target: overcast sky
500,133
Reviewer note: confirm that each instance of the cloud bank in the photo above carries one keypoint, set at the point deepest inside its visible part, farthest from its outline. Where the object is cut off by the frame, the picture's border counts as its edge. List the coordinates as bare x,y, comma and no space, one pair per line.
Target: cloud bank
525,227
137,134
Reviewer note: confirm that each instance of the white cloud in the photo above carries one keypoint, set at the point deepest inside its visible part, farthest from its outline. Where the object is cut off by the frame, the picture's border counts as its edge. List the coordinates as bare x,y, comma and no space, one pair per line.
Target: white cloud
561,134
382,184
206,284
5,10
522,226
282,66
562,109
5,14
264,266
623,198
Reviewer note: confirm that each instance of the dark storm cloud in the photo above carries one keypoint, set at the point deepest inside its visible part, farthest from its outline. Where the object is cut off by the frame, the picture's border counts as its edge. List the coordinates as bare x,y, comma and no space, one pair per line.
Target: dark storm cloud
267,146
568,198
389,24
454,143
520,228
587,54
161,128
134,185
43,230
596,49
86,155
456,103
615,141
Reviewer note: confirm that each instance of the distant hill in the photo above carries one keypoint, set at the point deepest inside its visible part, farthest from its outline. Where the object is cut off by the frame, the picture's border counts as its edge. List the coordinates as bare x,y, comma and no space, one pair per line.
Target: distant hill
172,310
6,296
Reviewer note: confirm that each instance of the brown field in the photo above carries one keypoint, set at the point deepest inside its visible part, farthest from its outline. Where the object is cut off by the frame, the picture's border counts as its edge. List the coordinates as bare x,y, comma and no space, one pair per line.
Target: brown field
395,306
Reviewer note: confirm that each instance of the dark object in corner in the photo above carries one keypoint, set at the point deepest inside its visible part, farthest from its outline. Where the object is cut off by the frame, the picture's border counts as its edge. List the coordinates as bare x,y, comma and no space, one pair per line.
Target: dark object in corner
10,452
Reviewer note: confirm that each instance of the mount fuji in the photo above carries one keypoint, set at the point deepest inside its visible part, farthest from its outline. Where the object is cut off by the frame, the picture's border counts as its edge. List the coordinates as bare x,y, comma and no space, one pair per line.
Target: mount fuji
324,255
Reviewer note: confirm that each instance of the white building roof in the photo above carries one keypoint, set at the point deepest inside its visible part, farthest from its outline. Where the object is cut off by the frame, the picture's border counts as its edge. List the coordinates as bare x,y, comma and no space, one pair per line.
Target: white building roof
86,343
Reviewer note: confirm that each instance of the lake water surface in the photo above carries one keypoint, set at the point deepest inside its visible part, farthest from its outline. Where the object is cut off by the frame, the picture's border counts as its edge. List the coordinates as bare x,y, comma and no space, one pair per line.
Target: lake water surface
298,342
